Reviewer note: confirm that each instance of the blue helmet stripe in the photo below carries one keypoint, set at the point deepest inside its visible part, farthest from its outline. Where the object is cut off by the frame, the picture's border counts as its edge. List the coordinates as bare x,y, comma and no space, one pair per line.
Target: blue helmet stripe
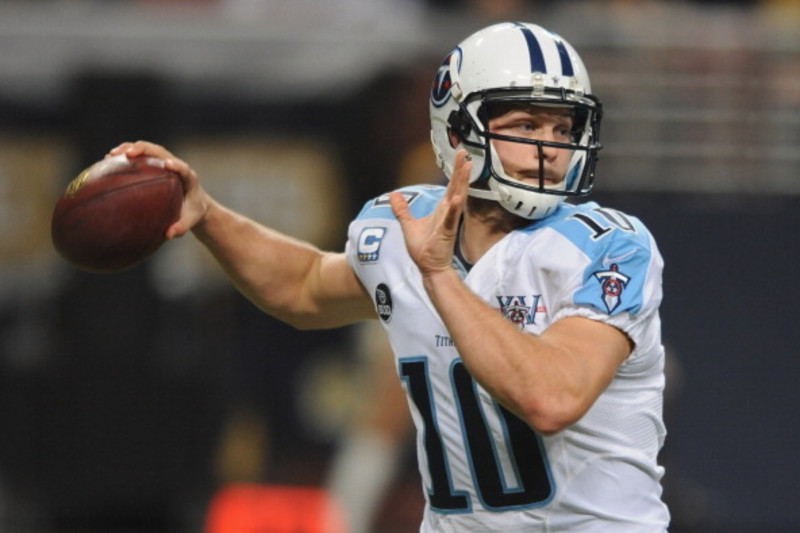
566,62
534,49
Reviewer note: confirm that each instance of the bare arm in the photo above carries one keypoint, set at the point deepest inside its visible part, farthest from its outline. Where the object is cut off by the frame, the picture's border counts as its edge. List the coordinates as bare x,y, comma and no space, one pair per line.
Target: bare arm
288,279
549,380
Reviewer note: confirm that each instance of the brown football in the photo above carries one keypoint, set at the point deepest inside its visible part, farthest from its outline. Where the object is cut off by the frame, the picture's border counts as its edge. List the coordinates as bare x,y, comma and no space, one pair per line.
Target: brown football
115,214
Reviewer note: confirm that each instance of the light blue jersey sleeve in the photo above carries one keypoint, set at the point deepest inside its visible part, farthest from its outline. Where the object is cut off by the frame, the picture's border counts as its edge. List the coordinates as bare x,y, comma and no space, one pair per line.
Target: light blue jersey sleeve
422,200
623,274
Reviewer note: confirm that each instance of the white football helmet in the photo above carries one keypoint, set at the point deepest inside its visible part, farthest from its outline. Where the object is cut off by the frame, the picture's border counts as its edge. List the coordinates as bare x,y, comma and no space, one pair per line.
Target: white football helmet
514,62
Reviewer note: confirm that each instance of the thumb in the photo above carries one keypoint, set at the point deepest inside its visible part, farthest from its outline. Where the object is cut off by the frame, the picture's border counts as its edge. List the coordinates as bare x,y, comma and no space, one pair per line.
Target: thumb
400,207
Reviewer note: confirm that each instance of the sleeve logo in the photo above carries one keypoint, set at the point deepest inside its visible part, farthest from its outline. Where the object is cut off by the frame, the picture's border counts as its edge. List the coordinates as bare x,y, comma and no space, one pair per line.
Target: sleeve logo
520,310
369,244
383,302
613,282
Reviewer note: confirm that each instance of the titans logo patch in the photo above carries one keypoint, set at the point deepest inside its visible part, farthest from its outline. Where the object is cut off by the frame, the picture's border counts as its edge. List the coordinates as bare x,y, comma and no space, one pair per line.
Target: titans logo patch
442,83
612,283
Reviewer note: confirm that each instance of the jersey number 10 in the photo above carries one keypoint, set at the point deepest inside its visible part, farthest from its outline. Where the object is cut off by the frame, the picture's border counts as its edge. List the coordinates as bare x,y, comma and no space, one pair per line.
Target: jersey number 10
534,485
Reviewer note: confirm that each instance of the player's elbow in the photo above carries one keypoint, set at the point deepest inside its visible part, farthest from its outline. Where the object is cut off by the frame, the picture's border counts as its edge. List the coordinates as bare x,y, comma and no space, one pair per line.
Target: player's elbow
548,425
553,414
314,317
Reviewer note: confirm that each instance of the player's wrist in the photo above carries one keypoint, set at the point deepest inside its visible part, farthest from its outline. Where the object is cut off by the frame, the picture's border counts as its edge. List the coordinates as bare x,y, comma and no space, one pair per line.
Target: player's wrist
207,214
437,280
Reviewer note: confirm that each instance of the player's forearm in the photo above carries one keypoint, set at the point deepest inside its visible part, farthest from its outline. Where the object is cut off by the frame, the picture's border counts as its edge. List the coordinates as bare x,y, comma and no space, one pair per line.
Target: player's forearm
528,376
267,267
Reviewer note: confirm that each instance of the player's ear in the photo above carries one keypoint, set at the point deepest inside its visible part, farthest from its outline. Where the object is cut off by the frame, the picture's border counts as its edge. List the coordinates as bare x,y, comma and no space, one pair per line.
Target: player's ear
455,138
459,128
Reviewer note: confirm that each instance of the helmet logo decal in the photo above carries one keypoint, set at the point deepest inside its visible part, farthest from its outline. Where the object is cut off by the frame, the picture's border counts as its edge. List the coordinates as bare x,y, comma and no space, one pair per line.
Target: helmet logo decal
442,82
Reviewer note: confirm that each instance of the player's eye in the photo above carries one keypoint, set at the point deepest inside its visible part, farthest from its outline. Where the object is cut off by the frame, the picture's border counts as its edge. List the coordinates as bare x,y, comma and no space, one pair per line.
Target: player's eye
565,134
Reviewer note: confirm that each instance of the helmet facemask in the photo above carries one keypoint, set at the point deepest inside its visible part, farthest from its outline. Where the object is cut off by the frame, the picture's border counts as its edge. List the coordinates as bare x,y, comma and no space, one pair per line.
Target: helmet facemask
526,199
496,66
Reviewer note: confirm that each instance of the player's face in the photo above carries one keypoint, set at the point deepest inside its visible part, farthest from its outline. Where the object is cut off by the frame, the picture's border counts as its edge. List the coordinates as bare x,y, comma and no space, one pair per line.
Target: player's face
523,161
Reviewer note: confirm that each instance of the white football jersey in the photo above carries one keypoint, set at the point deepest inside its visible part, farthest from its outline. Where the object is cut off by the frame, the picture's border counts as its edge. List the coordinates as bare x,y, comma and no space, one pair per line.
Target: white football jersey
482,468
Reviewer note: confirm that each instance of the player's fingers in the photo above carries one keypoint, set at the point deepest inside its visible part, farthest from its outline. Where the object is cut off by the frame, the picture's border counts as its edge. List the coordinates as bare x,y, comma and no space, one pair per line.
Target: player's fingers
452,214
145,148
400,207
455,197
139,149
130,149
119,149
176,230
183,169
195,206
459,180
461,172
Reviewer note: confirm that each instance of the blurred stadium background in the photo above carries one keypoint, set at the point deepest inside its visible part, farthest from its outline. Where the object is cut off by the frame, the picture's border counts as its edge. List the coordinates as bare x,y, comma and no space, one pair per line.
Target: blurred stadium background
127,400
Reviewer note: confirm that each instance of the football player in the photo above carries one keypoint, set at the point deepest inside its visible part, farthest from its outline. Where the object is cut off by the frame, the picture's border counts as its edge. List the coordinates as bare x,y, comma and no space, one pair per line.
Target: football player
524,323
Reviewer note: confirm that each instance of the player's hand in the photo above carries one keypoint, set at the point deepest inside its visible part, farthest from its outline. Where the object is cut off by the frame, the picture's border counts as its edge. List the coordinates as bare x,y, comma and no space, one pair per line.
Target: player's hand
431,240
195,200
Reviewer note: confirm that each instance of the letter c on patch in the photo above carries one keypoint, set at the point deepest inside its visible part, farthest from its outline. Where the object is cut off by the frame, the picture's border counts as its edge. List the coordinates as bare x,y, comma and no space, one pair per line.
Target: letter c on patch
369,244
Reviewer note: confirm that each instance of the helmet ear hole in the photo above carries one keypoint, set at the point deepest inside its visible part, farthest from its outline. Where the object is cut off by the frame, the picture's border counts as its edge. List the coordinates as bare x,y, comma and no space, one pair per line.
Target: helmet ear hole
459,124
455,138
